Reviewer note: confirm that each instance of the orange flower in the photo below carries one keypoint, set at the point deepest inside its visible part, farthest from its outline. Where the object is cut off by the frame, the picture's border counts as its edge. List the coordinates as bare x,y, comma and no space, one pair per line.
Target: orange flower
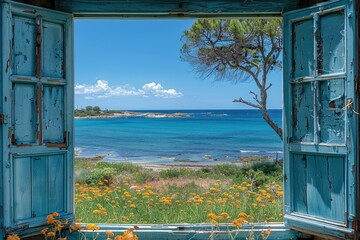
237,223
242,215
55,214
129,235
13,237
92,226
50,219
96,211
225,215
50,234
75,227
110,233
44,231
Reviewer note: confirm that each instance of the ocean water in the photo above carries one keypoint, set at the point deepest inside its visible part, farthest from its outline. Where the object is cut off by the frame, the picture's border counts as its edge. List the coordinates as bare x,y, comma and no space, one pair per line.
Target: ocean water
204,137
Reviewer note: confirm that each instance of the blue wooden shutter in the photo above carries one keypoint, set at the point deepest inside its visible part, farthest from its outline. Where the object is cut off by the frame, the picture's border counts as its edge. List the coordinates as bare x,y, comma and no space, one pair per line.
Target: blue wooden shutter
37,88
319,125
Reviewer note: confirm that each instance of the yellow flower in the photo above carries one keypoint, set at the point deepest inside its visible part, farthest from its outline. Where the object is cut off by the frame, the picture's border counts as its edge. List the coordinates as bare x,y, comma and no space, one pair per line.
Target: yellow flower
225,215
64,238
75,227
129,235
50,219
55,214
96,211
92,226
237,223
280,193
51,234
43,232
242,215
59,227
13,237
109,233
132,206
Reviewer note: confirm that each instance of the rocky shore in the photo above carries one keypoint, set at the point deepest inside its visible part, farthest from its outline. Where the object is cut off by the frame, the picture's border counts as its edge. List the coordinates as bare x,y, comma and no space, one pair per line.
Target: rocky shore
135,114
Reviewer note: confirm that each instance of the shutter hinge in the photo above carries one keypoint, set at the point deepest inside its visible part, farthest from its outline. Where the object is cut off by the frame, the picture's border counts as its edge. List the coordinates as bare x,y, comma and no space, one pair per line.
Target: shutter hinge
3,118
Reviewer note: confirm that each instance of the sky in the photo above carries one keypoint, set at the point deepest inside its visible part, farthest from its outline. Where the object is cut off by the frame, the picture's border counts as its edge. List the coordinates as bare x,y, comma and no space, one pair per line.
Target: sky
136,65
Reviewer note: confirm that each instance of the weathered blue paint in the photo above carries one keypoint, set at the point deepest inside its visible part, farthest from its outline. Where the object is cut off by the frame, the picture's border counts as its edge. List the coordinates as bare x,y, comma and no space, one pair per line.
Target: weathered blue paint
302,98
37,97
195,8
53,49
332,52
320,145
24,122
24,45
195,231
332,117
22,188
53,117
302,37
57,183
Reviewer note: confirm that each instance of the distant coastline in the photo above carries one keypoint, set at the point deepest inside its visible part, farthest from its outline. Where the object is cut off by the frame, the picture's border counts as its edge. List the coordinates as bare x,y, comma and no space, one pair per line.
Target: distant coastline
122,114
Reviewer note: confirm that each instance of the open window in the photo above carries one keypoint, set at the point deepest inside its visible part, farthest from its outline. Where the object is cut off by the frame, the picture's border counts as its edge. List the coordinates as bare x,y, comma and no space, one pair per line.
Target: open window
321,154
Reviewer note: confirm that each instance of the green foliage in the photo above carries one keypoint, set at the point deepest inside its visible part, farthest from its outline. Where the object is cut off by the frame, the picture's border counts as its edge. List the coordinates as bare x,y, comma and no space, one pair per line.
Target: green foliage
146,175
237,50
234,49
175,173
92,111
93,170
96,109
89,108
106,174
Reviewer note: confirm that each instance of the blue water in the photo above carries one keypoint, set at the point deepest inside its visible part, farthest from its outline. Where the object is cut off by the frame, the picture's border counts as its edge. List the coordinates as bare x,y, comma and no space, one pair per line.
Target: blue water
204,137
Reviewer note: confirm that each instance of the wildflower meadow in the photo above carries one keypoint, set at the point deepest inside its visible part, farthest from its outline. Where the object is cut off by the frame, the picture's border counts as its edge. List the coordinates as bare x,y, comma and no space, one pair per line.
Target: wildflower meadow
218,195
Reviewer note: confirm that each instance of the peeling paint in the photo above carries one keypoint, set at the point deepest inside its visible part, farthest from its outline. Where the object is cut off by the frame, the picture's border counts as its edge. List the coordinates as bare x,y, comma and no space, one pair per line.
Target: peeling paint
303,112
331,113
53,114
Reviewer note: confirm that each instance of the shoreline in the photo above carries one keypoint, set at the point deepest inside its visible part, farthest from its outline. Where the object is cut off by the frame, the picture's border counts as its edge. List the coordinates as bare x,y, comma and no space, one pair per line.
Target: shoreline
185,164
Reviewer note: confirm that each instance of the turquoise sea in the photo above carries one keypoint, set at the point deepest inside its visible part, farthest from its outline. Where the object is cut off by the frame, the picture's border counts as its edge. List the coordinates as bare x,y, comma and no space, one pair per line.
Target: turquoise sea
204,137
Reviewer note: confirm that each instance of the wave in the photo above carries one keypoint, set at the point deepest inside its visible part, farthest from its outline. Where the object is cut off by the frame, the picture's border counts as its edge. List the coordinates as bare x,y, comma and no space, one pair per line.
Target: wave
249,151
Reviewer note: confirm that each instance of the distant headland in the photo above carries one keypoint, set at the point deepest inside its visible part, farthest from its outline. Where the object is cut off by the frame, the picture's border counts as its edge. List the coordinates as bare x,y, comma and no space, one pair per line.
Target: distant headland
95,112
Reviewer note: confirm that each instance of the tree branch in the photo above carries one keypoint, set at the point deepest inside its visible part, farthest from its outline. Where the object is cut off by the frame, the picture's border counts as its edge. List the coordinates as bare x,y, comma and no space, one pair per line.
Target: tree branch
240,100
270,85
256,98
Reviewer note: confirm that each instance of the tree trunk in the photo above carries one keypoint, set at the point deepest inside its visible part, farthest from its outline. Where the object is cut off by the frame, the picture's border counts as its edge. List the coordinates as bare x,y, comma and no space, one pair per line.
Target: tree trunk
272,124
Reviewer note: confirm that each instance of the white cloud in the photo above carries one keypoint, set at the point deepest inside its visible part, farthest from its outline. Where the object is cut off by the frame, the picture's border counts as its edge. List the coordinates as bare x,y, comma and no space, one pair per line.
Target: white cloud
102,89
158,91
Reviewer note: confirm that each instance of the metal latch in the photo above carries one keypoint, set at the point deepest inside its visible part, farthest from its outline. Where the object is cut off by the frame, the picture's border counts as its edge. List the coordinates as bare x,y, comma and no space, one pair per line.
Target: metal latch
3,118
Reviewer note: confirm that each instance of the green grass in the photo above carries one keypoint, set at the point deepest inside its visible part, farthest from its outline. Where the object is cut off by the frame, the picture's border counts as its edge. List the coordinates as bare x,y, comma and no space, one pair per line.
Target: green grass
127,193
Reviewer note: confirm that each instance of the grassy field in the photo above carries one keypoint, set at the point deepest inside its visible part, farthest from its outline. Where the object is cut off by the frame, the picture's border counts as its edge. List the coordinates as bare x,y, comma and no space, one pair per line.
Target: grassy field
127,193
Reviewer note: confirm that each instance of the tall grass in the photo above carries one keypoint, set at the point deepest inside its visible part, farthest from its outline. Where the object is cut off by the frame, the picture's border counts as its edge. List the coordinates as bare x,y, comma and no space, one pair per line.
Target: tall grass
127,193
